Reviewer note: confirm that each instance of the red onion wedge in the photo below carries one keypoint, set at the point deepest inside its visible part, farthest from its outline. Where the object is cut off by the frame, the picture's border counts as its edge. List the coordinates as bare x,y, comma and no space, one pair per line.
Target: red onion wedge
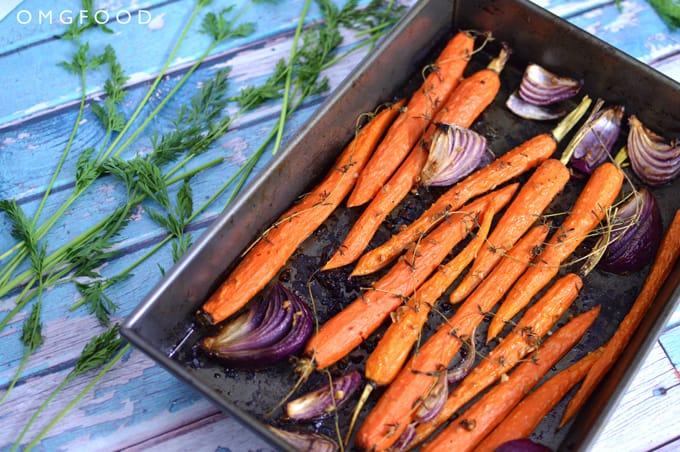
326,399
463,367
593,142
540,94
635,234
273,329
526,110
542,87
454,153
654,160
308,442
406,438
434,401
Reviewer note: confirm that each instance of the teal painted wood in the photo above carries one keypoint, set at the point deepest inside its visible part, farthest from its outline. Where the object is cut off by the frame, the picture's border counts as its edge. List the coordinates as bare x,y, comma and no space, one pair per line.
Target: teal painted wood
670,341
139,405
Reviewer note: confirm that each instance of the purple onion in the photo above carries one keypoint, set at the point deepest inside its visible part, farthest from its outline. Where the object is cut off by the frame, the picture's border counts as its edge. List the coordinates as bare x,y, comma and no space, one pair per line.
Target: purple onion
635,234
594,141
325,400
541,87
282,331
463,366
433,403
454,153
525,110
522,445
654,160
406,438
308,442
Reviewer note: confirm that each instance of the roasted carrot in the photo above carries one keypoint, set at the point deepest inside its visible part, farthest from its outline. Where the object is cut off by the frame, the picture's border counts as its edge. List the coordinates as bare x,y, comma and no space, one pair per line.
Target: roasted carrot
512,164
526,416
343,332
370,220
463,107
524,339
385,423
591,206
270,253
668,254
477,421
535,195
390,354
409,126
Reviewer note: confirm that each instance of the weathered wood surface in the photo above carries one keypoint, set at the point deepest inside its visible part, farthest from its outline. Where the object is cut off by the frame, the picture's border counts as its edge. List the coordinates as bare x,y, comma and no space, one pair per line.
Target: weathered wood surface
138,405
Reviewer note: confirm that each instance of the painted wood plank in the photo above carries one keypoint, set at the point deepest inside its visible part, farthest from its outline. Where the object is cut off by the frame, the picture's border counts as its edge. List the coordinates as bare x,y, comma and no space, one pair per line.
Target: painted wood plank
34,21
670,66
647,415
670,341
38,85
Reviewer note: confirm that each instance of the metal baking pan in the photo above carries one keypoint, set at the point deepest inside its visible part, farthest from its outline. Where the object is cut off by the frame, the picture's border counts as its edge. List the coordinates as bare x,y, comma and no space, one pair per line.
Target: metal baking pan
167,313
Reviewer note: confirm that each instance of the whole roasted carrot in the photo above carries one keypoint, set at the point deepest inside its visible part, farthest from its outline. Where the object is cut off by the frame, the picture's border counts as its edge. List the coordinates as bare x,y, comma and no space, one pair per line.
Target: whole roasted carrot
476,422
591,206
463,107
668,254
343,332
524,339
409,127
270,253
393,412
512,164
535,195
526,416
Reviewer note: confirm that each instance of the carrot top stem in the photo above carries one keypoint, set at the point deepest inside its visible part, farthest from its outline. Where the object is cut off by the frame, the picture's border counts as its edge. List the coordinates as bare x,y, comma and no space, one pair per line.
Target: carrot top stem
498,63
569,122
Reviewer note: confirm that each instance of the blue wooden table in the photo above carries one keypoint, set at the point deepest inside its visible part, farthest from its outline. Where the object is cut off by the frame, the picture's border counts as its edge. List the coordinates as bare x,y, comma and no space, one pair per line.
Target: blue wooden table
137,405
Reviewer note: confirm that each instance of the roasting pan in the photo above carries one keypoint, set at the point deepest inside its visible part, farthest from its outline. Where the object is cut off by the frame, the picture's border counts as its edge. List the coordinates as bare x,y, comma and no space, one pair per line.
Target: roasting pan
393,70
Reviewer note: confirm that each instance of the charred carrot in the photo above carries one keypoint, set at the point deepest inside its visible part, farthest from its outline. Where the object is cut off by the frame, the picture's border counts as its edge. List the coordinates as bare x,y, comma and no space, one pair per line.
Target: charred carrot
393,412
466,103
389,356
668,254
471,426
591,206
524,339
535,195
526,416
409,127
512,164
343,332
271,252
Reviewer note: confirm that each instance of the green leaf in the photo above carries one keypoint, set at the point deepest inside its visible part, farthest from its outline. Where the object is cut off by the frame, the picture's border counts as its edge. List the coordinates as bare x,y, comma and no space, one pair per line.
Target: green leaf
98,350
31,333
219,28
668,10
87,169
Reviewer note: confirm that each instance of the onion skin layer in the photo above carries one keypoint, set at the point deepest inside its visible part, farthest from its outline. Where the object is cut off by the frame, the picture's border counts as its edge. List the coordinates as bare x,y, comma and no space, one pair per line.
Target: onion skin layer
283,330
655,161
321,402
636,235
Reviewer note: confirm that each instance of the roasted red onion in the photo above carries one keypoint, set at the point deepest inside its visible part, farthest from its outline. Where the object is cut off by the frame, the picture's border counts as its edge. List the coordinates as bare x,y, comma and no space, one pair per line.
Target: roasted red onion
463,366
526,110
654,160
594,141
635,234
540,93
308,442
273,329
434,401
324,400
541,87
406,438
454,153
522,445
